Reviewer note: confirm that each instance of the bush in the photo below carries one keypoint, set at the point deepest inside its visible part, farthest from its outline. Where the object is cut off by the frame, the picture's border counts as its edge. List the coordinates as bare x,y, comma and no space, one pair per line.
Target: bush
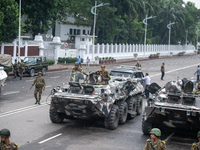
50,61
68,59
181,53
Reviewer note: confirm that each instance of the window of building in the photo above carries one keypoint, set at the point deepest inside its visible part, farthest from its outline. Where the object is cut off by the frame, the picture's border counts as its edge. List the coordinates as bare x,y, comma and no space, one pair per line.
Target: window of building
83,32
88,32
75,31
70,31
82,39
78,31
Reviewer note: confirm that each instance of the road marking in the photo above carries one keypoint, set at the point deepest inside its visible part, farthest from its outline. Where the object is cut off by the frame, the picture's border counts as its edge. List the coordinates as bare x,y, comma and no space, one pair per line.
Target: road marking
55,77
48,86
29,80
174,70
169,137
22,109
11,92
50,138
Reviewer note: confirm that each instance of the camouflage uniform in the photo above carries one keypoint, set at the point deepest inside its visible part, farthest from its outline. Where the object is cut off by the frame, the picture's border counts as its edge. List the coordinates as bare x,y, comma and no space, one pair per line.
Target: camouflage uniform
10,146
39,84
105,77
160,145
197,91
21,69
76,70
15,67
195,146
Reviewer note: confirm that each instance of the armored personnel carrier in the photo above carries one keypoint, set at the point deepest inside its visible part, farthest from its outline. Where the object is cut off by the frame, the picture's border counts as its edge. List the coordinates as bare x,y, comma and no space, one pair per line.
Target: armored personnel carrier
81,98
174,106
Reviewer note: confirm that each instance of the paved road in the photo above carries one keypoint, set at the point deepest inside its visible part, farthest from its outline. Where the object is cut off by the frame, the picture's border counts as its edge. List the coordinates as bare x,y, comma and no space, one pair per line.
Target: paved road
32,129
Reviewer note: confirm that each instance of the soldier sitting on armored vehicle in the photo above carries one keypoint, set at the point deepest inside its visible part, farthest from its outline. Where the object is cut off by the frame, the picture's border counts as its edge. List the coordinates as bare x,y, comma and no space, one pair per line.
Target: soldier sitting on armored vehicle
105,77
197,91
76,68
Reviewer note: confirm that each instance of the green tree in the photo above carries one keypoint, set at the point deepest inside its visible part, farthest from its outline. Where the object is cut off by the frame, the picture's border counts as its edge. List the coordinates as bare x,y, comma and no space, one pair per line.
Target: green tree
8,20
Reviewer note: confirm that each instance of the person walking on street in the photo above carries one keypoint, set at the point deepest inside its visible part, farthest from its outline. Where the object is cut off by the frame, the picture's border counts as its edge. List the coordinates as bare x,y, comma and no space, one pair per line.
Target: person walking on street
39,85
21,69
198,72
79,61
147,82
138,65
15,68
196,146
87,62
155,143
162,69
5,142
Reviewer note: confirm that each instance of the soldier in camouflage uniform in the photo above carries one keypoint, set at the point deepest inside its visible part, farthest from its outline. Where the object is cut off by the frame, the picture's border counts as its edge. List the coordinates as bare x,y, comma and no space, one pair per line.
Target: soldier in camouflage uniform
76,68
197,91
39,85
196,146
21,69
105,77
15,68
155,143
5,142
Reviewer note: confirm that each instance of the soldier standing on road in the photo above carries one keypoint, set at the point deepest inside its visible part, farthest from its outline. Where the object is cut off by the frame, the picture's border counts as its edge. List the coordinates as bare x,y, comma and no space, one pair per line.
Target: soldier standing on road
155,143
138,64
21,69
198,72
105,77
39,85
162,69
79,61
196,146
5,142
15,68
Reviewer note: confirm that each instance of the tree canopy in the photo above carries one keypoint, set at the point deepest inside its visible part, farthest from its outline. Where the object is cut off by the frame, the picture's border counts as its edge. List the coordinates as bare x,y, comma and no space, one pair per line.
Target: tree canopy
8,20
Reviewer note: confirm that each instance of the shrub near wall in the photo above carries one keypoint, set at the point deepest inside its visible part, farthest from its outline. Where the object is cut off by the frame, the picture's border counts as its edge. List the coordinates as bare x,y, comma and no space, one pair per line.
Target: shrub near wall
50,61
68,59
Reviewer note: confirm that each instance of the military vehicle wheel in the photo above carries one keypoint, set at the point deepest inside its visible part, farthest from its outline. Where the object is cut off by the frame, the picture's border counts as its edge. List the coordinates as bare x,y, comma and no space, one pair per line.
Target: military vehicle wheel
43,71
146,127
131,107
139,105
111,122
123,112
32,73
56,117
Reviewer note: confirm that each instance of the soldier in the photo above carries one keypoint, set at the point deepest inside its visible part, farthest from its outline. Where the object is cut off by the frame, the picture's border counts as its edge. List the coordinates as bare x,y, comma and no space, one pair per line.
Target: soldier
21,69
76,68
196,146
105,77
155,143
39,85
197,91
15,68
5,142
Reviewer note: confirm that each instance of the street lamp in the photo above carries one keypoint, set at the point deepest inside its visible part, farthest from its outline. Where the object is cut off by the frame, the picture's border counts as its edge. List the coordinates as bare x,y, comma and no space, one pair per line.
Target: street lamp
145,22
197,37
93,11
19,29
169,27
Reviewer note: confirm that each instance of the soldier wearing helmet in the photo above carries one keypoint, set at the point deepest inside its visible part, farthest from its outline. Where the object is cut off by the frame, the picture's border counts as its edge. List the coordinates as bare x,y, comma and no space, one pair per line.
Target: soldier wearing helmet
39,85
155,143
196,146
15,68
21,69
5,142
105,77
76,68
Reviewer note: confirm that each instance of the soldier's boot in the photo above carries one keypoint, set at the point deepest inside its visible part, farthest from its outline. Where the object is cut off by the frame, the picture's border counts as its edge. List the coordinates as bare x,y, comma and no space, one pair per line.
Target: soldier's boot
36,101
39,102
20,78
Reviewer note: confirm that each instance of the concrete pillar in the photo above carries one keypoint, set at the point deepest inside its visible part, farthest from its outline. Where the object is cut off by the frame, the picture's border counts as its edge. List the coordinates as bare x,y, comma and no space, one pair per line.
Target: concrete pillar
26,49
56,41
38,39
2,48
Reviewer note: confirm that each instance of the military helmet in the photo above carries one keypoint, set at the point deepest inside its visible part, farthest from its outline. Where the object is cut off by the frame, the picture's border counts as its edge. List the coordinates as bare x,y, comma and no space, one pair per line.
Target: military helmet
76,63
103,66
198,134
39,72
5,133
155,131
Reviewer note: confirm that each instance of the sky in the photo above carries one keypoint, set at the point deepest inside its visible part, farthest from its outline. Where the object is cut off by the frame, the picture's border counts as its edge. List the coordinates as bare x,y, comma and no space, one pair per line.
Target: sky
197,2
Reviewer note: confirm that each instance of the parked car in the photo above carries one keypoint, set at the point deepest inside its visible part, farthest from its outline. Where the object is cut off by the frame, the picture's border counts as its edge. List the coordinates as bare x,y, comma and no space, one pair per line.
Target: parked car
34,64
